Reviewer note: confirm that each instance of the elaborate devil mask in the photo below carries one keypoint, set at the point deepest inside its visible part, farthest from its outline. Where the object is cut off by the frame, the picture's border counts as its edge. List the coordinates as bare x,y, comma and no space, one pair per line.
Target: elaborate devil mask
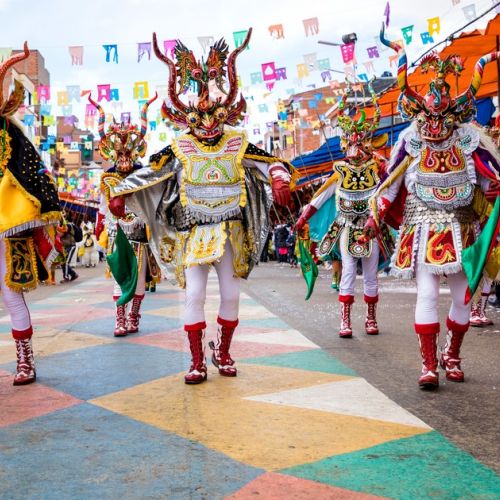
206,116
16,97
356,140
437,112
123,143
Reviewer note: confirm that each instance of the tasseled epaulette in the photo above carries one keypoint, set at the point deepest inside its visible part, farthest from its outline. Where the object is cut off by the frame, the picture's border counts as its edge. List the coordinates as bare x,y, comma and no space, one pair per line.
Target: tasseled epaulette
158,160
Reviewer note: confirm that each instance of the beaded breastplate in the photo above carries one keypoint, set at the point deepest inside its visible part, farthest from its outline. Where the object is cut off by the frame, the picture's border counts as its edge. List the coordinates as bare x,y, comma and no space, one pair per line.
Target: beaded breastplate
355,188
213,182
442,180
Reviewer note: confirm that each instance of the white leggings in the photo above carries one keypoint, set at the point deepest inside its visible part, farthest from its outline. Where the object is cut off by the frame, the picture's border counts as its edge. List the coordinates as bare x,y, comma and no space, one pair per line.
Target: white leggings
141,281
349,267
14,301
196,289
426,311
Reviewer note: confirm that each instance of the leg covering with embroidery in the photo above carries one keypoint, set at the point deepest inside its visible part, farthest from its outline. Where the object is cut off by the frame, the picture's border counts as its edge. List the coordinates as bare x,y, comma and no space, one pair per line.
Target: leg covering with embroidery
198,370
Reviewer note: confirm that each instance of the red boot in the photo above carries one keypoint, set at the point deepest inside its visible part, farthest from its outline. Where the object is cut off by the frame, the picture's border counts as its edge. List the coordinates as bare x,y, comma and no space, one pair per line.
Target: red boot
371,325
221,357
121,320
485,321
198,371
427,338
133,315
25,371
450,353
475,314
346,302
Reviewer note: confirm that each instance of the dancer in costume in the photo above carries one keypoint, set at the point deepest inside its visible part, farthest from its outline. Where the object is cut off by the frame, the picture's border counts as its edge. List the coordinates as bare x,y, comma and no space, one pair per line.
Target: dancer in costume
28,204
354,181
124,144
438,174
207,191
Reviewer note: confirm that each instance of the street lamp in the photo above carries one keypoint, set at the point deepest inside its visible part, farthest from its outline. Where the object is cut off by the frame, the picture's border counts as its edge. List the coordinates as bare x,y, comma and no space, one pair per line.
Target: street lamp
349,38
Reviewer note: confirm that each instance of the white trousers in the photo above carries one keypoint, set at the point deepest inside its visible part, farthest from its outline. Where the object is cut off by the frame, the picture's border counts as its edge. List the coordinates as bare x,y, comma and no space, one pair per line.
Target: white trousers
141,282
196,289
349,265
426,310
14,301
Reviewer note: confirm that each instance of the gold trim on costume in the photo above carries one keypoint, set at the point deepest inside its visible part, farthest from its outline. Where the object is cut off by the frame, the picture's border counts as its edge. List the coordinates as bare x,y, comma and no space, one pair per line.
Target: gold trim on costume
22,271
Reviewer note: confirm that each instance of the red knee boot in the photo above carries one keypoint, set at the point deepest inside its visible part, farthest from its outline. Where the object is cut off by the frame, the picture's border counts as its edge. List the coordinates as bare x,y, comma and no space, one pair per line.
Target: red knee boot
427,339
198,371
133,315
220,356
346,302
450,353
25,370
121,320
371,326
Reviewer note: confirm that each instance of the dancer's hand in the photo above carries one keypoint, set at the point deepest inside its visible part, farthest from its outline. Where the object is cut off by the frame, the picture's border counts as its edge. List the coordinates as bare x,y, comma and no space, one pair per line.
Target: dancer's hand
369,231
280,185
117,206
307,213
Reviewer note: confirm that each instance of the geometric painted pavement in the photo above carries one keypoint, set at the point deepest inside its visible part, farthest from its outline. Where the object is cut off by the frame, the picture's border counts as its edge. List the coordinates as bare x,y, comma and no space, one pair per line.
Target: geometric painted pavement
111,418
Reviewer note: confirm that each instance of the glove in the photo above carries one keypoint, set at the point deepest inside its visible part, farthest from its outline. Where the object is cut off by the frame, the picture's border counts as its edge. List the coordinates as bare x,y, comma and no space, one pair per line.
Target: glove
369,231
307,213
117,206
280,185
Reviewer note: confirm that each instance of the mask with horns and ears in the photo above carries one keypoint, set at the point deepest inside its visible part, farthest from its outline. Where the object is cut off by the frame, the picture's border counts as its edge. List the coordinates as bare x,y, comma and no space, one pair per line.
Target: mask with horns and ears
123,143
356,141
207,116
16,97
437,112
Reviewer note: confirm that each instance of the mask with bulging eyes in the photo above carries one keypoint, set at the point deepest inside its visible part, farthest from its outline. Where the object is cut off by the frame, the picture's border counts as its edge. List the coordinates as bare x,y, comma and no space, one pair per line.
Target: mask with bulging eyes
214,105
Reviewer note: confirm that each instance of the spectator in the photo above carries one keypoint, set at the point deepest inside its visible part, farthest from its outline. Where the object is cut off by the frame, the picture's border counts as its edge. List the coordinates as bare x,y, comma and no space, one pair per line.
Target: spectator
69,234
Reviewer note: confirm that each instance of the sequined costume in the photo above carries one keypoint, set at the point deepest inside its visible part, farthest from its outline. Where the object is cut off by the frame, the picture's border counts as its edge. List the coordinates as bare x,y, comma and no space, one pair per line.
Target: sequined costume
354,180
439,171
28,206
124,144
206,196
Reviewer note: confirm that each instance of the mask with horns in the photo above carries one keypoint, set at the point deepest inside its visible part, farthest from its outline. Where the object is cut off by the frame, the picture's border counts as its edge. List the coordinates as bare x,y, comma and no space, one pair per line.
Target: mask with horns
206,116
123,143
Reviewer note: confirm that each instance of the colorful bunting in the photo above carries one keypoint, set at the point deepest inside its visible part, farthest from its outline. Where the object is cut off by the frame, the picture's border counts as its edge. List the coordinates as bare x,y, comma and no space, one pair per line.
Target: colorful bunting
326,75
276,31
369,67
347,51
141,90
43,93
426,38
281,74
408,33
239,38
76,53
270,85
324,64
311,26
109,49
268,71
143,48
256,77
169,48
125,117
363,77
73,93
29,120
5,53
433,25
62,98
104,92
263,108
469,12
311,60
387,14
373,52
302,70
205,42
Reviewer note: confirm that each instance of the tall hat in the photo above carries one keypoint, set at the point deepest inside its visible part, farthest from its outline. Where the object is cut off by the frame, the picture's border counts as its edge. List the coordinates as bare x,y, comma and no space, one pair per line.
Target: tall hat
123,143
11,105
439,109
205,117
